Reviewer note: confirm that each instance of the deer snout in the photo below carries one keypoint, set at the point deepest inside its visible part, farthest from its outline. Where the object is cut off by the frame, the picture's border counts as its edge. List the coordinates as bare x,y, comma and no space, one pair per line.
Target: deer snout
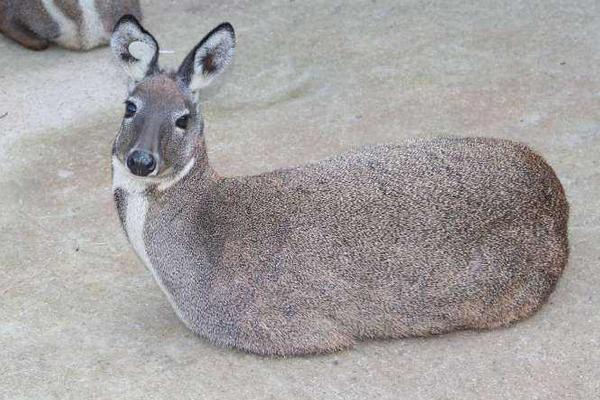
141,163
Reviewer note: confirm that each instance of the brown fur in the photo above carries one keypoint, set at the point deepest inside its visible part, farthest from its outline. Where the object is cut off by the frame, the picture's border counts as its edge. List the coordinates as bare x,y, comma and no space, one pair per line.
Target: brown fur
390,241
29,23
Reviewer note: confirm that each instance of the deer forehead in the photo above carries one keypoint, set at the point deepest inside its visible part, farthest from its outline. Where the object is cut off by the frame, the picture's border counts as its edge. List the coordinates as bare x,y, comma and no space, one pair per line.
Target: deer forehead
161,91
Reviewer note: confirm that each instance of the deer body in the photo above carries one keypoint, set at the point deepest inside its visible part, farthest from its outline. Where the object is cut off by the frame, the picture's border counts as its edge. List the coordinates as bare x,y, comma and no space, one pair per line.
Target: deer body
389,241
74,24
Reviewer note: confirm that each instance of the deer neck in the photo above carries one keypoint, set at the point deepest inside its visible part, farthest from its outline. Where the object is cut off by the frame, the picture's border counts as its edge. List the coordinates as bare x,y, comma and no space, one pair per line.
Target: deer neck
152,217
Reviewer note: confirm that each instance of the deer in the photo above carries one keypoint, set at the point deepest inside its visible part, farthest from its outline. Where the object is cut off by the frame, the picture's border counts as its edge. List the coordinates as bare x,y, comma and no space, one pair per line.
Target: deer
421,238
73,24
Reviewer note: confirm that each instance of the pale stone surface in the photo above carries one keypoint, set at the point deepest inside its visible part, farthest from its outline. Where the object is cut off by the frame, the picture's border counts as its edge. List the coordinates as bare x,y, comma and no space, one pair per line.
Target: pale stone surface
81,318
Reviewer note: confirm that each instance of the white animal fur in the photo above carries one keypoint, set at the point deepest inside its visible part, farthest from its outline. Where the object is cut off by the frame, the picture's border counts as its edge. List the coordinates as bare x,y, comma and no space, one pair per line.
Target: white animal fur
93,33
69,34
89,35
135,215
138,45
141,51
180,175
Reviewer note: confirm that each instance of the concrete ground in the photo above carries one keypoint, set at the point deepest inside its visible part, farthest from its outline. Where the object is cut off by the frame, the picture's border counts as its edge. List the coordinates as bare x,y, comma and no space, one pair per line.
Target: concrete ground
80,318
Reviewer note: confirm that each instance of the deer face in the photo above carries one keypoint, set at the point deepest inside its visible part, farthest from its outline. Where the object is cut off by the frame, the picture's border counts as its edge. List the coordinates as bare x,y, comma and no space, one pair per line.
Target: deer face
162,125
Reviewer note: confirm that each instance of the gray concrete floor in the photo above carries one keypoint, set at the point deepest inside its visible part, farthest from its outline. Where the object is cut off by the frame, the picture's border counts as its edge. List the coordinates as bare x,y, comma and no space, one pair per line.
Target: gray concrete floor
81,318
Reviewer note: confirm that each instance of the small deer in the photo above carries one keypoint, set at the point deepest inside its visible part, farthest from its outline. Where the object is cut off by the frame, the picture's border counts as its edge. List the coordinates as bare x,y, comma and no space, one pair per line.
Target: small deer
74,24
390,241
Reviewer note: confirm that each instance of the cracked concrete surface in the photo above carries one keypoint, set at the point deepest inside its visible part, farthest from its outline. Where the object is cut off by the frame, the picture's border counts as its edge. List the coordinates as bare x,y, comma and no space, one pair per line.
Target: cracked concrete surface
81,318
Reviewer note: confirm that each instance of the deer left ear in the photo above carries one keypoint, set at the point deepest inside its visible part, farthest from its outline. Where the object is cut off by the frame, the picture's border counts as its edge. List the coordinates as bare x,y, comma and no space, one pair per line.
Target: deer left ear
209,58
135,48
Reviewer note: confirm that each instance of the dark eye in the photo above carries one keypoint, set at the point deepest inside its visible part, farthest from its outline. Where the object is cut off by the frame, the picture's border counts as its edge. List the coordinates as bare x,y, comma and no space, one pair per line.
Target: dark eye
182,122
130,109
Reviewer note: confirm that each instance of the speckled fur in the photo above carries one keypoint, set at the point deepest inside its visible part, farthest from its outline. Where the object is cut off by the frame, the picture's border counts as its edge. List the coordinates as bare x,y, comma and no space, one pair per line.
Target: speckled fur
79,25
427,237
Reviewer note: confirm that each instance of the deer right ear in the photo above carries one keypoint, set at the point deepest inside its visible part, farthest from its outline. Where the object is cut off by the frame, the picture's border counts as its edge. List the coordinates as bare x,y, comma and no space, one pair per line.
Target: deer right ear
136,49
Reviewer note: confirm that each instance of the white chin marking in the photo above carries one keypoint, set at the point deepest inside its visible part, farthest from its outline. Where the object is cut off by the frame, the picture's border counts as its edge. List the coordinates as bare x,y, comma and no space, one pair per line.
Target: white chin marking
180,175
135,221
124,179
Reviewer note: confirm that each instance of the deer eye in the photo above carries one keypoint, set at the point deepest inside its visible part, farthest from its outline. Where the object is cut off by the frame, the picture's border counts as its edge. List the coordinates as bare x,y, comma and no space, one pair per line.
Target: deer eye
182,122
130,109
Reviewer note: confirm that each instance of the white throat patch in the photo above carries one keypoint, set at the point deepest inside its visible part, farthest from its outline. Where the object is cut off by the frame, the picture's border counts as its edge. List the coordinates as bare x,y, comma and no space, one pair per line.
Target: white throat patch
137,206
135,214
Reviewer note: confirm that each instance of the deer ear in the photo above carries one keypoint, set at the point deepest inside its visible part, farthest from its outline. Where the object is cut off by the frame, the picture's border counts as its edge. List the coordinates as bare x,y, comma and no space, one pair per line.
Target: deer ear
136,49
209,58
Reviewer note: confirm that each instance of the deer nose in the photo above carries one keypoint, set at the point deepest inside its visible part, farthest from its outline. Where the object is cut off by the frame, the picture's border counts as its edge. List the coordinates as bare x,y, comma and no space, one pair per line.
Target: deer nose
141,163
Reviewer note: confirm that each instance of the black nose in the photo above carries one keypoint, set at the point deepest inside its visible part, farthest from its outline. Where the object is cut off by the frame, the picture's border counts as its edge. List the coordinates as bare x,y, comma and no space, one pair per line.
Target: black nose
141,163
